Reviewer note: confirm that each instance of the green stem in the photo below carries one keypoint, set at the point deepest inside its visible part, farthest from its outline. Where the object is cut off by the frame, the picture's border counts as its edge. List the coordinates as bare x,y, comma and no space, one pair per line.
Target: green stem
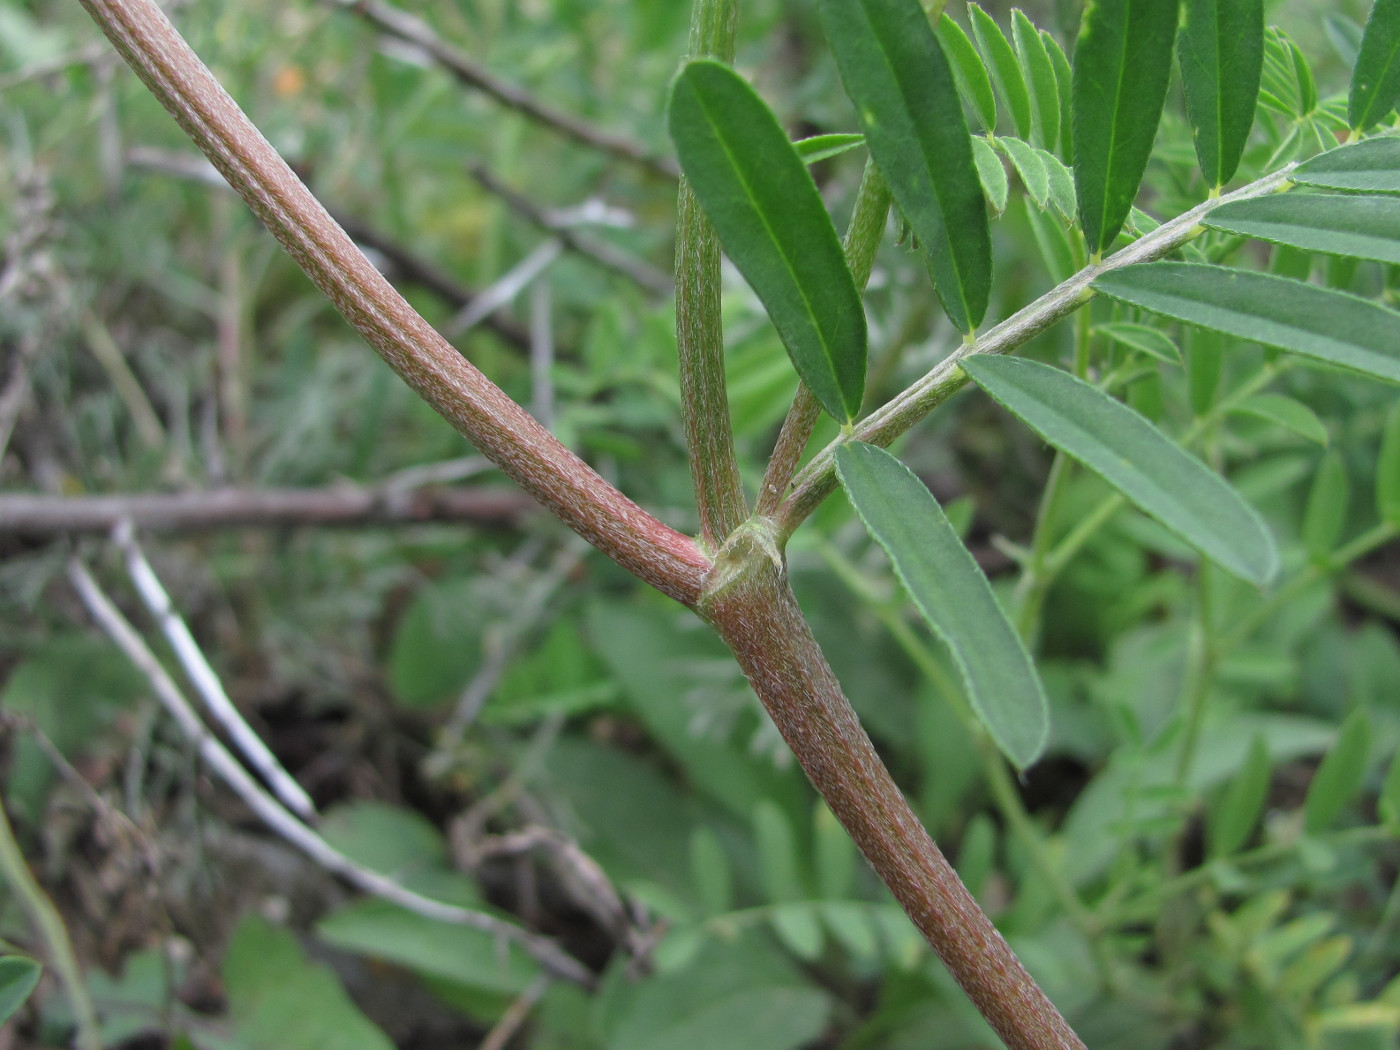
709,433
50,926
818,479
863,235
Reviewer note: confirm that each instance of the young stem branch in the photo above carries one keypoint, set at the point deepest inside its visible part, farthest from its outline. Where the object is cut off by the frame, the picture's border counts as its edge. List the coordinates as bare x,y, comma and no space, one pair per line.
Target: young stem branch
709,434
500,428
862,242
881,427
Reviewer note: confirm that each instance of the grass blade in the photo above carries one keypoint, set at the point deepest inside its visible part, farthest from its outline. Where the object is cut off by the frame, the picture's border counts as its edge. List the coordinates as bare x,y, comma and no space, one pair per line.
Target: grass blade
1121,65
903,88
1319,323
1364,227
1221,47
1372,166
953,595
774,227
1006,71
1375,82
1134,457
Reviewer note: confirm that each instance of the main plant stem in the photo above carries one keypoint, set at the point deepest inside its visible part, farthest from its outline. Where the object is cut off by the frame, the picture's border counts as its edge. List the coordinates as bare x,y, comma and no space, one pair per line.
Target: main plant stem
752,607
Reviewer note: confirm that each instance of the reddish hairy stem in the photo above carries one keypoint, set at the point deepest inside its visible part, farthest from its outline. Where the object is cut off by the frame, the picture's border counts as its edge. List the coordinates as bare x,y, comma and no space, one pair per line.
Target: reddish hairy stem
753,608
505,432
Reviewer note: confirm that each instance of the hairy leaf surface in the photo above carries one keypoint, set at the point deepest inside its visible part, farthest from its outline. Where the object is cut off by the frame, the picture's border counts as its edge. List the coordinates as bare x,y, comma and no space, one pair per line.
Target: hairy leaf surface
1121,65
953,595
1319,323
1371,166
773,225
1365,227
1133,456
1221,47
1039,73
1005,70
969,72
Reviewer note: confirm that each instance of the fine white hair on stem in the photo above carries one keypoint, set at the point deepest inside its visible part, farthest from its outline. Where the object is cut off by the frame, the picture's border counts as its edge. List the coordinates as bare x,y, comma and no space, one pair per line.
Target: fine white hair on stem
276,816
206,683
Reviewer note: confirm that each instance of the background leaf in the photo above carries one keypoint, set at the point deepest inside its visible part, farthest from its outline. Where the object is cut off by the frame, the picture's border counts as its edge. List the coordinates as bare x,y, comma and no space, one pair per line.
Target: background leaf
1286,412
1221,47
1320,323
953,595
1327,507
774,227
1375,82
1238,810
1363,227
1122,62
18,977
1142,337
903,88
1388,469
1134,457
1340,774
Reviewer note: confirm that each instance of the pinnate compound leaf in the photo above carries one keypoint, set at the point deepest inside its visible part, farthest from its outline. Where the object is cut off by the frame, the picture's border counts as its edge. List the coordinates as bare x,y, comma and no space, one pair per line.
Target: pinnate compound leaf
953,596
18,977
1122,62
1375,82
1006,71
903,88
1039,74
1363,227
1133,456
1238,810
1370,166
1221,46
1319,323
774,227
1339,775
1388,469
969,72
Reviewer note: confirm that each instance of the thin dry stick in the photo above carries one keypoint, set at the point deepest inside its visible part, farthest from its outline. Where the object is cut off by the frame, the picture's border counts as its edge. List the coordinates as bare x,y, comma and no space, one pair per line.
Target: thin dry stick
507,287
575,493
283,823
601,252
415,31
206,682
230,508
515,1015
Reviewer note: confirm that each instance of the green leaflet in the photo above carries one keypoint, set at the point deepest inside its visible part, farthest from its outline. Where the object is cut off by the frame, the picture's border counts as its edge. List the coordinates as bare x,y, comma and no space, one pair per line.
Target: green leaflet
774,226
1030,167
1234,817
989,169
1319,323
1339,776
1149,340
1375,82
1284,411
1064,80
18,977
1366,227
1372,166
969,72
1388,469
824,147
1121,65
1039,73
1326,512
1134,457
1221,47
903,88
1006,71
952,594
